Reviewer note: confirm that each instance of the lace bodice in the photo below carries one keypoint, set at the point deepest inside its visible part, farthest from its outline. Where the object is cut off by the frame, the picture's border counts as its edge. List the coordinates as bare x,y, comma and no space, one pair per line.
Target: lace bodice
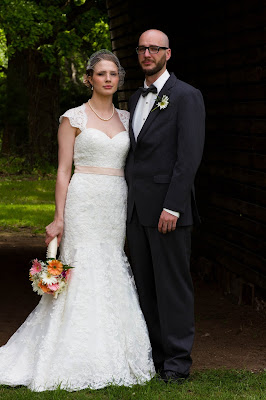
93,147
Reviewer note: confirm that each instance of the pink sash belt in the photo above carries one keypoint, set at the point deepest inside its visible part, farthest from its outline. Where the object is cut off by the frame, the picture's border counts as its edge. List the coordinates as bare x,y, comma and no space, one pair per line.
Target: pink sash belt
84,169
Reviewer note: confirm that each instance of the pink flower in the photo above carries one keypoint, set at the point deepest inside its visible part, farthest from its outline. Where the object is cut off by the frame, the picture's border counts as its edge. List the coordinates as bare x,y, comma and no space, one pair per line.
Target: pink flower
36,267
53,286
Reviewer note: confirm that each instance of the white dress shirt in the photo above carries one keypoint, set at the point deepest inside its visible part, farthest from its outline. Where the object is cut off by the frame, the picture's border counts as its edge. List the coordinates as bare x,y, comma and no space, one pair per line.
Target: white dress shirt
143,108
144,104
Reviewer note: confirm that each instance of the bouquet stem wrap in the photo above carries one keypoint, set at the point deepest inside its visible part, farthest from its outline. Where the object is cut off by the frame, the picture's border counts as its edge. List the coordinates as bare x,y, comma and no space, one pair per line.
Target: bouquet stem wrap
52,248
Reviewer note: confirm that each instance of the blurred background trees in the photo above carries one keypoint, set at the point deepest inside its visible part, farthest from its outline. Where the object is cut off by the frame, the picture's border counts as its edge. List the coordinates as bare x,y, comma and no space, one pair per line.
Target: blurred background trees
44,48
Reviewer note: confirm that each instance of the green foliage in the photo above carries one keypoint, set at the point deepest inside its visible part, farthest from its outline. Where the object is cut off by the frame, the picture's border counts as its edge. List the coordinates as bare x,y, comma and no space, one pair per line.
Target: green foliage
64,34
54,28
21,168
26,23
100,30
73,62
3,51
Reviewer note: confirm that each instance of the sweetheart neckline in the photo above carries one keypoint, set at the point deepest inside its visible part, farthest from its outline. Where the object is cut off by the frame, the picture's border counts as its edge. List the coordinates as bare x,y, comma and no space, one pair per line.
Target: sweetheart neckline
98,130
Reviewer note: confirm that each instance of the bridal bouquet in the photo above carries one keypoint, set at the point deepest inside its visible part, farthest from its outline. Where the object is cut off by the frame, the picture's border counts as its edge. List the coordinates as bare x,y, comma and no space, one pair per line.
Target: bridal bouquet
50,276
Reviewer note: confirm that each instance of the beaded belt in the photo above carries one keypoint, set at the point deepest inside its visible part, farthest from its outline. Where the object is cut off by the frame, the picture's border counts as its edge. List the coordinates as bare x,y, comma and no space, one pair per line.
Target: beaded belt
84,169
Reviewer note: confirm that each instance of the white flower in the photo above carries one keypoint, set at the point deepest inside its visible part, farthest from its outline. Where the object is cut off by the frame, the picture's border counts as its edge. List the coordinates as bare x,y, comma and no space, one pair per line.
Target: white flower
162,103
47,278
35,278
36,288
62,285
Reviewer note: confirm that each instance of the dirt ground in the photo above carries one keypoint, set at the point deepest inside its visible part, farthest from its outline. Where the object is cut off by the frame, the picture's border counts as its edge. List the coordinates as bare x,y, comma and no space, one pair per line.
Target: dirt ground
227,335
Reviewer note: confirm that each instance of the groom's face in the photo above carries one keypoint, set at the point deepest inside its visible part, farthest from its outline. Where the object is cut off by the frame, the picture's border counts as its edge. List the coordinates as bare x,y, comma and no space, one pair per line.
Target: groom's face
152,64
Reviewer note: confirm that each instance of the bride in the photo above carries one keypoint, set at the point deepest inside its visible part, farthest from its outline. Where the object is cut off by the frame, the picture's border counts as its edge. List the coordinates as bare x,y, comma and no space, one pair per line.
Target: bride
94,333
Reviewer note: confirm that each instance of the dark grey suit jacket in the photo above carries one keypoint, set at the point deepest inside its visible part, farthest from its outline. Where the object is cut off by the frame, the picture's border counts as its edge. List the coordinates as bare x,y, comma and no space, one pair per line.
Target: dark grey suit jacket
162,164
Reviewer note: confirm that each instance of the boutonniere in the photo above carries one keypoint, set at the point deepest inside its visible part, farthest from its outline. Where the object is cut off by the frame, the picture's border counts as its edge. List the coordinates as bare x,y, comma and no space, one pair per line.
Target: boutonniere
162,103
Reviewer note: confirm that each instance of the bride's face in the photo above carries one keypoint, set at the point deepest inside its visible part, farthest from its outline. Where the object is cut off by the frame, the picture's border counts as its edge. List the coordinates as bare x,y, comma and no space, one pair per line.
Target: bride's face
105,77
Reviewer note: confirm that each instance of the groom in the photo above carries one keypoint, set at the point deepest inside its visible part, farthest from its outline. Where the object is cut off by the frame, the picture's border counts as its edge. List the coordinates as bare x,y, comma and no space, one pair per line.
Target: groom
167,119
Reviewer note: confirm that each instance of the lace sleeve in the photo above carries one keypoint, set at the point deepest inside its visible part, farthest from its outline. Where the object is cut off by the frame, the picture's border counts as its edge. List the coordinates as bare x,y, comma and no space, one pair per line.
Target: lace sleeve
124,118
76,116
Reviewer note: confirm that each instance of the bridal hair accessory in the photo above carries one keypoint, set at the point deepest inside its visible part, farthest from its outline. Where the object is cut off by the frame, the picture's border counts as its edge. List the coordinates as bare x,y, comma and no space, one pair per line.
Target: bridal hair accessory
99,55
162,103
50,276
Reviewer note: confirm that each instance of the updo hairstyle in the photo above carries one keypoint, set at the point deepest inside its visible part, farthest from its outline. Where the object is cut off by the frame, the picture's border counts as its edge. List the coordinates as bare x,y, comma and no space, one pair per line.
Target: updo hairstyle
103,55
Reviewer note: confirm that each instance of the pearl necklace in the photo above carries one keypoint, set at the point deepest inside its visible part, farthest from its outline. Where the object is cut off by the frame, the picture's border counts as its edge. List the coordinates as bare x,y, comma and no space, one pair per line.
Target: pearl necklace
103,119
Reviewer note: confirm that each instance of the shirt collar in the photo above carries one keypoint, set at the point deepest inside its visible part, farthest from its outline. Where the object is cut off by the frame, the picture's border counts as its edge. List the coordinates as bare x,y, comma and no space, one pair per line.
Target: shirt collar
159,83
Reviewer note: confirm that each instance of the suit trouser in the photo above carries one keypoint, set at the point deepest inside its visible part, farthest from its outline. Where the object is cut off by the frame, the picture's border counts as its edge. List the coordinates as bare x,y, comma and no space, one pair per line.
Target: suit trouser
161,268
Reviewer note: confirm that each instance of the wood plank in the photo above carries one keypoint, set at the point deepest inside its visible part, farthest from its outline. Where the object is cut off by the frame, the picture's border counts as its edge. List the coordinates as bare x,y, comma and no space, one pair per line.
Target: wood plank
251,161
235,190
231,218
239,143
235,91
243,175
119,20
248,125
219,251
240,207
245,74
237,58
236,7
223,43
113,3
120,8
221,25
255,246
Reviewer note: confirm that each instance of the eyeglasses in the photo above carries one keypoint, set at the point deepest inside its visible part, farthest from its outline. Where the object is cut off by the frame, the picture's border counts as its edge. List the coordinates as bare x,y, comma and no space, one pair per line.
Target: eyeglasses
152,49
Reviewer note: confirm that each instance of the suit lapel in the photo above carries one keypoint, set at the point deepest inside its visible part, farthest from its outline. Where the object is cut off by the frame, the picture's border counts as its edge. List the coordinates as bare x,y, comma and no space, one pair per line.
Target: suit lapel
134,101
166,89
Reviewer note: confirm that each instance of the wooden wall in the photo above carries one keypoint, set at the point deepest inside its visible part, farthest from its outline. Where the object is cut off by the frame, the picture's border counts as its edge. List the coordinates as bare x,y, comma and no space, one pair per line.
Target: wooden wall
219,47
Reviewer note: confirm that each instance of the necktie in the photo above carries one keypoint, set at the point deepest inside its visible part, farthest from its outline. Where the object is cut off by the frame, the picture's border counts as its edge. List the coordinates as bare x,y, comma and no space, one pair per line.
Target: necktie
151,88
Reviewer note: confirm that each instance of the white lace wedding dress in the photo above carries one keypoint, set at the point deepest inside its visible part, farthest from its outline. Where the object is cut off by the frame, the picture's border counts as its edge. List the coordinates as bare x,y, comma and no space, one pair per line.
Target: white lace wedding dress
94,333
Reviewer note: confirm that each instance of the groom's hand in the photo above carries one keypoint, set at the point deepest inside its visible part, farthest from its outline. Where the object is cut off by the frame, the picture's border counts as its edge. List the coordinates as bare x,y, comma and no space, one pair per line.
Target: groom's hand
167,222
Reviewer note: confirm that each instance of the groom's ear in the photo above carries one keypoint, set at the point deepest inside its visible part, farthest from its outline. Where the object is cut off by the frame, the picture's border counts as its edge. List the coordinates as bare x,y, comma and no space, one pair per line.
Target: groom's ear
168,54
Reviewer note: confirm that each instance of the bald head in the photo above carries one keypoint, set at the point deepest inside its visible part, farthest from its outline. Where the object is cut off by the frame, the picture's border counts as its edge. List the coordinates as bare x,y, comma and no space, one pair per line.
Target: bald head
154,36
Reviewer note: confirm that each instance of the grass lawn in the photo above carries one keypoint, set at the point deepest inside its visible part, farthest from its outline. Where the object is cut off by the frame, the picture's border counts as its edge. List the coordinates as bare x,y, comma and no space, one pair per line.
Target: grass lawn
208,385
26,203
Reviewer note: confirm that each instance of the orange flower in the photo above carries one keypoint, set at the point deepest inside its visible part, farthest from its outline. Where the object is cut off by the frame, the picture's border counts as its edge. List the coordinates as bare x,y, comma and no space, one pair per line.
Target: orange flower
44,288
55,267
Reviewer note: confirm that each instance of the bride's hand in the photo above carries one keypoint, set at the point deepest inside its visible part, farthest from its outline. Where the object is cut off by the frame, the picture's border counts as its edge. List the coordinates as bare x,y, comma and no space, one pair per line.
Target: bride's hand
54,229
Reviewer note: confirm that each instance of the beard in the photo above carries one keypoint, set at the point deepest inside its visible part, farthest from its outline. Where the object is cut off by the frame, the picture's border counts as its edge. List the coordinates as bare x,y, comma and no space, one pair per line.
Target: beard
158,66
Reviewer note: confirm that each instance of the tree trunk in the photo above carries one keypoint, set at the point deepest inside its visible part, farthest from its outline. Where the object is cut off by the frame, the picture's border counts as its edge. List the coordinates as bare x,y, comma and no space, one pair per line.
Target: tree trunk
43,110
15,132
